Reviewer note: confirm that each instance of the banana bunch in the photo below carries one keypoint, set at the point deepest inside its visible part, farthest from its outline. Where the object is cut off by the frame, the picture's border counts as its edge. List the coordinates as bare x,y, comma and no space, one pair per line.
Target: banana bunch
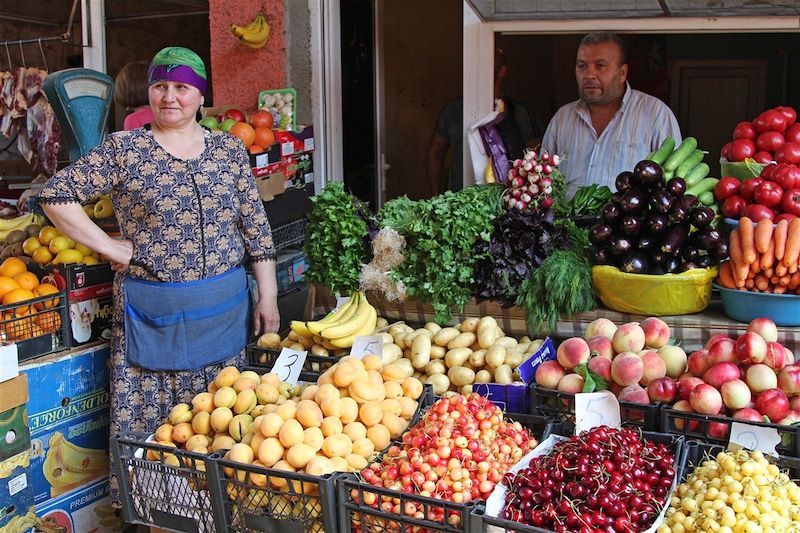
7,225
67,466
340,327
254,34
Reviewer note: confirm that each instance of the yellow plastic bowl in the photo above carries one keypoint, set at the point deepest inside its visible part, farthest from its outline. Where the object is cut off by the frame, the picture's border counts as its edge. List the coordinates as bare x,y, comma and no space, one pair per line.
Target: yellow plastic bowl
642,294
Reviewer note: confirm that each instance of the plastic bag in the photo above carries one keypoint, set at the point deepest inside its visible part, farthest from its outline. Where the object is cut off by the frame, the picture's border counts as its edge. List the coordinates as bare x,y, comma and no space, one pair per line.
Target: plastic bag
486,147
642,294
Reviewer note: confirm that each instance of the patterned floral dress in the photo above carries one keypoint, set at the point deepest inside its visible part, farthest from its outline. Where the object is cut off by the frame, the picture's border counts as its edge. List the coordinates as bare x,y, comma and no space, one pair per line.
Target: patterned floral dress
188,219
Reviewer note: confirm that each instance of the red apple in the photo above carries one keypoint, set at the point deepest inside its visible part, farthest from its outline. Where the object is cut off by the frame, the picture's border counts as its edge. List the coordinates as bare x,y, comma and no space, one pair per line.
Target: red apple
698,362
722,351
234,114
773,404
789,380
764,327
718,430
707,400
721,373
748,414
685,386
663,390
776,356
751,348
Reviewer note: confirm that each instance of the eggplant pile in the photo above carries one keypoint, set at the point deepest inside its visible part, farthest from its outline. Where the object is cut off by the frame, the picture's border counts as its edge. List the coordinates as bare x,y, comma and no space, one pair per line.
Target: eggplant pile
652,227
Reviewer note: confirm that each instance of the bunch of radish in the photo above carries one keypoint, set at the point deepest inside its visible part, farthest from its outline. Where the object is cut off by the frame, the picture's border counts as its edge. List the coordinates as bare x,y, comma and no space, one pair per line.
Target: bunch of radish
530,181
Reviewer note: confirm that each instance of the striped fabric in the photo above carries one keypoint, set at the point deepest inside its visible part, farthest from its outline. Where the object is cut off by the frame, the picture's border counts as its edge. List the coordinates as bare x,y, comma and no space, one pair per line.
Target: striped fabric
638,128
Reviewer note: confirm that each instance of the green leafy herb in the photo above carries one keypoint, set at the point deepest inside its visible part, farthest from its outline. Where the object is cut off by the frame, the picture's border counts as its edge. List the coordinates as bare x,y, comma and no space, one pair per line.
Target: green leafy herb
591,382
336,240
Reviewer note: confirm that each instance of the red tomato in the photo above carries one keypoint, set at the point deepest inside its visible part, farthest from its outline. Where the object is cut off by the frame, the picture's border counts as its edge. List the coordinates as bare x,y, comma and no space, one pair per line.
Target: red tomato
771,120
756,212
734,206
792,135
726,150
762,157
744,130
768,194
784,174
741,149
791,202
769,141
789,113
748,187
726,187
787,216
788,153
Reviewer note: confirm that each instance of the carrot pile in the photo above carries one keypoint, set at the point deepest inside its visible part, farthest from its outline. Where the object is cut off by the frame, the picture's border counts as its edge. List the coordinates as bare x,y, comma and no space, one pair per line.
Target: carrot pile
763,257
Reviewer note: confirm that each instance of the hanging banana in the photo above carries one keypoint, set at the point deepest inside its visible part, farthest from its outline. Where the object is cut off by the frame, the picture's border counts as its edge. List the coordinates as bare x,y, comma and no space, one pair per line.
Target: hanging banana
254,34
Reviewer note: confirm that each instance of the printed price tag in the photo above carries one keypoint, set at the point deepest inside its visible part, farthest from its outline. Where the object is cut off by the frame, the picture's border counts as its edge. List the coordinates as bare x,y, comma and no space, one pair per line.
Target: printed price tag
754,438
262,160
367,345
287,148
17,484
594,409
546,352
308,144
289,364
9,362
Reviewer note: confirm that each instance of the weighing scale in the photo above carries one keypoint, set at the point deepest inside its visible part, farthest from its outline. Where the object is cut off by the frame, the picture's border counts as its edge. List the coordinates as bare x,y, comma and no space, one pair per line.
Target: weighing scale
81,100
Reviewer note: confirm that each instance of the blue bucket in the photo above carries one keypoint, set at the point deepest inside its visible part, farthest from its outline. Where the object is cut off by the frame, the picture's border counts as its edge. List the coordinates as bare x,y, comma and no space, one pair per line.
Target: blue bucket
744,306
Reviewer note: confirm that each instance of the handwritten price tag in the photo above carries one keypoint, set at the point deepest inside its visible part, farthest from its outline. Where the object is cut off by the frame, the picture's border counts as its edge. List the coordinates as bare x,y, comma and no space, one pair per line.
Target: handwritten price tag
594,409
289,364
755,438
367,345
546,352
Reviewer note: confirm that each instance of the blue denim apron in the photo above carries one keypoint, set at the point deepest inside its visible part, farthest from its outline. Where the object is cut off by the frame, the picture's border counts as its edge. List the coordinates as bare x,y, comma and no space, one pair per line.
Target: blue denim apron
186,325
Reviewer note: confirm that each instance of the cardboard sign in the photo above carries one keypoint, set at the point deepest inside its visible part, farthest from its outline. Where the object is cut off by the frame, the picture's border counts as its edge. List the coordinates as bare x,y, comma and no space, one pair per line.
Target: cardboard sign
367,345
754,438
9,362
289,364
546,352
593,409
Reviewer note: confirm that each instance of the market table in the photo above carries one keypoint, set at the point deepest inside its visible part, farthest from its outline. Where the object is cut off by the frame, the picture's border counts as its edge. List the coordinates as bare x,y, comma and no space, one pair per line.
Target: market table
691,330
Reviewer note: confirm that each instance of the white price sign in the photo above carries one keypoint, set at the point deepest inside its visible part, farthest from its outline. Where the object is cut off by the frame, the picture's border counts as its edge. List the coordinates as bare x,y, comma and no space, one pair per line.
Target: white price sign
593,409
755,438
367,345
289,364
341,300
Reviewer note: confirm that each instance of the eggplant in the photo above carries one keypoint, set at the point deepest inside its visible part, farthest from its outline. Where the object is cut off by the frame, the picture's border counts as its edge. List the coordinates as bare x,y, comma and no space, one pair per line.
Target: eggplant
601,256
660,201
701,216
677,215
611,213
719,251
635,263
688,265
624,181
600,234
656,269
671,264
657,255
645,243
690,253
620,245
656,223
674,238
704,261
676,187
648,173
631,225
687,201
708,237
633,201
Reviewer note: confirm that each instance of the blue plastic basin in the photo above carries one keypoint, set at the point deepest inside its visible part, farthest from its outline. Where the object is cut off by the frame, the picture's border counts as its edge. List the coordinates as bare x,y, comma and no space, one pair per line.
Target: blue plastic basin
744,306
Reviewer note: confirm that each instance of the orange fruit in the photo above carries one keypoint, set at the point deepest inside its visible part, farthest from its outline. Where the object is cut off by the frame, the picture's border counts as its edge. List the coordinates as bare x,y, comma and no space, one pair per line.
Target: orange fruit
48,321
27,280
12,266
261,119
18,329
7,285
264,137
16,296
45,289
255,149
245,132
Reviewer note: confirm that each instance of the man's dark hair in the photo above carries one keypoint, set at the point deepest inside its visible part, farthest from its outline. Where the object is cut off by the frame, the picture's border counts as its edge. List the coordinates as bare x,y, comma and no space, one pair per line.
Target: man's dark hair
605,37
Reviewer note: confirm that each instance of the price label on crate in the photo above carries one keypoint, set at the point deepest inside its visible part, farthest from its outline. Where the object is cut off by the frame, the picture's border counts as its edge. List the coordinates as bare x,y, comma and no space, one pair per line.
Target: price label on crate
546,352
594,409
754,438
9,362
289,364
367,345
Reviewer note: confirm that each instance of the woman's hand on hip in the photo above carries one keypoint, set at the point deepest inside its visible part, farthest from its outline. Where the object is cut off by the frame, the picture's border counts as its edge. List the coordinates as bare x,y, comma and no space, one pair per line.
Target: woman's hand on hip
266,317
119,254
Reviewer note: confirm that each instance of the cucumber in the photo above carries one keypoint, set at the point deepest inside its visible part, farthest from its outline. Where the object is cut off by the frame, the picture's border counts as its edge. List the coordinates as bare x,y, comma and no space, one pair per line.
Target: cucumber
706,198
689,163
694,176
686,148
706,184
664,151
667,175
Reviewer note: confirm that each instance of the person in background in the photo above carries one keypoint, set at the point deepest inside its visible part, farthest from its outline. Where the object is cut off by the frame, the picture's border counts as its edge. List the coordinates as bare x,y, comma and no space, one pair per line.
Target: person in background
518,129
612,126
130,92
190,216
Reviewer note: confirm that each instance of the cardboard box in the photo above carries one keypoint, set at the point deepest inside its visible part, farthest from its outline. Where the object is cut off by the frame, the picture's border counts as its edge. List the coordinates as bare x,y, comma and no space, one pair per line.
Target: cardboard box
17,511
13,392
69,420
85,510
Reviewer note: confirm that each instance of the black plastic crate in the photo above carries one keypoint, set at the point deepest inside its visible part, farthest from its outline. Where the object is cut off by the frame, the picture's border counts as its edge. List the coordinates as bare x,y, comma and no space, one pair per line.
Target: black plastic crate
479,522
561,406
38,326
697,452
170,489
264,359
695,426
290,233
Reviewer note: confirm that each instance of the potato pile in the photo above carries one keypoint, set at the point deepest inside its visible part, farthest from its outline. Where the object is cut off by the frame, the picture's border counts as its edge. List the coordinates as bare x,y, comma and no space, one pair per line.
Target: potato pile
453,358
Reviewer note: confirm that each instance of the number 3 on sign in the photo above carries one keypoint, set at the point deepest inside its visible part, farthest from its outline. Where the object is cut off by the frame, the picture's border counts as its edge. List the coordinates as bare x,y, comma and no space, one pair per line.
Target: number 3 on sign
289,365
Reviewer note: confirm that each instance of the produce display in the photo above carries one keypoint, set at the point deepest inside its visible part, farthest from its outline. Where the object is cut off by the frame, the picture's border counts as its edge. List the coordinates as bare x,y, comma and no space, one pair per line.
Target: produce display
26,320
774,194
764,257
254,129
633,360
602,480
49,247
533,181
686,162
280,103
458,452
773,135
734,491
752,377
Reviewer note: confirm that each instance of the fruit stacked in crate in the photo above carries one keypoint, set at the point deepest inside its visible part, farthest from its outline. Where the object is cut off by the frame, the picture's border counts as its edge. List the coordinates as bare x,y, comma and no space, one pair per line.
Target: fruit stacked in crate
30,305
